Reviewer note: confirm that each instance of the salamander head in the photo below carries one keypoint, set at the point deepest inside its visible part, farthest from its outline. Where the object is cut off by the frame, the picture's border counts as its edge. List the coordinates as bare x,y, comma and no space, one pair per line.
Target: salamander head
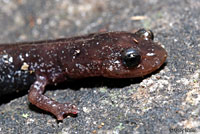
133,55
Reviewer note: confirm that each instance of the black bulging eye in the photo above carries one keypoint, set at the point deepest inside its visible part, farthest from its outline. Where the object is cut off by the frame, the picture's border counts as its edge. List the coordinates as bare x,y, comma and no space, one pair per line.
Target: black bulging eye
131,57
146,34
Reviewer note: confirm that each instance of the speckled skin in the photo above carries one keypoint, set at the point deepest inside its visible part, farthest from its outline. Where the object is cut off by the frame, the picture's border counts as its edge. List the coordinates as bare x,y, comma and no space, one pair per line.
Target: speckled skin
50,62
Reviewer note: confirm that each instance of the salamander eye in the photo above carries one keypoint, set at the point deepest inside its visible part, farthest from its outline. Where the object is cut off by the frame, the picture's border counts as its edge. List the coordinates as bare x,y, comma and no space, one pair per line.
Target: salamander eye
146,34
131,57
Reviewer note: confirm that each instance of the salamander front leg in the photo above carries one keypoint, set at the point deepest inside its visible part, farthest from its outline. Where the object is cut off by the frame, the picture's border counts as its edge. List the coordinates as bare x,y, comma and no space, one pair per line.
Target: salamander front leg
37,98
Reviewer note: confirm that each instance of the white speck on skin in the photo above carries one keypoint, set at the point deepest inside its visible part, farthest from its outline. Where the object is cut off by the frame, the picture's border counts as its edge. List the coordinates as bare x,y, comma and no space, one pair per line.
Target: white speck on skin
10,59
77,51
142,67
146,35
25,66
150,54
66,69
117,62
5,56
110,68
139,66
77,65
42,77
9,76
54,105
6,61
26,54
21,58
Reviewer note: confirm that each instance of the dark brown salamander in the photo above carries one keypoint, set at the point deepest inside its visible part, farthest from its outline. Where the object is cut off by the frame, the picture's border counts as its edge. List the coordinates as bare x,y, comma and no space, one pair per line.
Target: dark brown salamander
110,54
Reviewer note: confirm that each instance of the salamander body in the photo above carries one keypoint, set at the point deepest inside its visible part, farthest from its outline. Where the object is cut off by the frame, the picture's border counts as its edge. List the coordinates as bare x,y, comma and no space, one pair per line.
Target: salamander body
34,65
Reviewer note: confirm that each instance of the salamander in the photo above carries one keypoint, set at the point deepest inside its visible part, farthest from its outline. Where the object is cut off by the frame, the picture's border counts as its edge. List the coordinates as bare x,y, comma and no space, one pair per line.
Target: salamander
34,65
